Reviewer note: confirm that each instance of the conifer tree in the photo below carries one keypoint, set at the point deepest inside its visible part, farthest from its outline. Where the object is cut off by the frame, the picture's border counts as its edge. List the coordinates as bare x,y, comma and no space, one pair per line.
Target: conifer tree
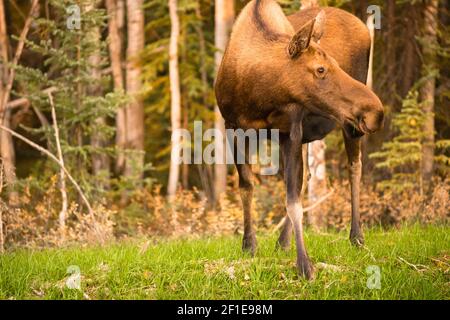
402,157
77,90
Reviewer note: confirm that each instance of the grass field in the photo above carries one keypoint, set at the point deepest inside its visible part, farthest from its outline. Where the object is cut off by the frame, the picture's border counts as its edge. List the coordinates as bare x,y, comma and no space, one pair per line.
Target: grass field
413,261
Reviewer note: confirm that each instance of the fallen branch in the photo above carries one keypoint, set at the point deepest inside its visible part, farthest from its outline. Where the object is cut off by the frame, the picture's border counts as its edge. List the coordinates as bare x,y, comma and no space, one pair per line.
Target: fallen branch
23,102
62,176
55,159
309,208
415,266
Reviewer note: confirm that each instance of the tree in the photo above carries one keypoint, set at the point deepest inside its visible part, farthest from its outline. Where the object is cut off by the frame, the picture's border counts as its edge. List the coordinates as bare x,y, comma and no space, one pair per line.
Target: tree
7,152
134,165
116,12
224,18
402,157
309,4
175,109
6,143
427,90
317,180
391,71
316,159
82,134
100,161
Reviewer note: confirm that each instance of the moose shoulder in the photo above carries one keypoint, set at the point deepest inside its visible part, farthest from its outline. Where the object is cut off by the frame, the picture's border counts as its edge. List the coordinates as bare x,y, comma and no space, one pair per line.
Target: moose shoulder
303,74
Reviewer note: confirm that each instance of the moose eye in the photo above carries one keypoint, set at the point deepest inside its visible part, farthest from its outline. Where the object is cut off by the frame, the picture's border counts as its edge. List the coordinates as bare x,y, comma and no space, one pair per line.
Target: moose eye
321,70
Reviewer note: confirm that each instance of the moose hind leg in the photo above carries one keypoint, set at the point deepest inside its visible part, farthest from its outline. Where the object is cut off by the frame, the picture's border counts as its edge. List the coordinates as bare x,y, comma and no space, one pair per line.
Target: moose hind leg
244,169
246,190
284,240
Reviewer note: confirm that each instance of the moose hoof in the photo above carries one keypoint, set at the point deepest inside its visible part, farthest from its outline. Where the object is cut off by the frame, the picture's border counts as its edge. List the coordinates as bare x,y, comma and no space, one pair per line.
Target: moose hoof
305,269
283,243
249,244
357,239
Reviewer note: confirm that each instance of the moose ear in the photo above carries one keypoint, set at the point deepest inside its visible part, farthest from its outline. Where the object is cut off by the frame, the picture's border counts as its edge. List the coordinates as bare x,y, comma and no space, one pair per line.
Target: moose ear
319,26
311,30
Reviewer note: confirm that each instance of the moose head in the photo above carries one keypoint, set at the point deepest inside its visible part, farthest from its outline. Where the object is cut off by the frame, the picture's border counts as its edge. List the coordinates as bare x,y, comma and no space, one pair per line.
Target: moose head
317,82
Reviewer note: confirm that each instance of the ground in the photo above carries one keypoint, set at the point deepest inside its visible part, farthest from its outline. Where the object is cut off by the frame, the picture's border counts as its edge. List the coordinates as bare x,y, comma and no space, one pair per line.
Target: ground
413,263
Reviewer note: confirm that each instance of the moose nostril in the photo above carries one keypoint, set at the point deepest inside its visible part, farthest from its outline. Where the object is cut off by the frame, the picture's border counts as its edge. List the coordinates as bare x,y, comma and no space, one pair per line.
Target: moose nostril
373,121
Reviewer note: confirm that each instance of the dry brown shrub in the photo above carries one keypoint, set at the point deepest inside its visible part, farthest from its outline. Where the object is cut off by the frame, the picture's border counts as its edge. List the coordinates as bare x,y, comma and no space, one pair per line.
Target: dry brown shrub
187,215
387,209
35,222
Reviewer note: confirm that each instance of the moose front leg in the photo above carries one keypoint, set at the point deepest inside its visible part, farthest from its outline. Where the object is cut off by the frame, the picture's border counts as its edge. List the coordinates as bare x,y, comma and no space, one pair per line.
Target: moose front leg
353,149
292,149
284,241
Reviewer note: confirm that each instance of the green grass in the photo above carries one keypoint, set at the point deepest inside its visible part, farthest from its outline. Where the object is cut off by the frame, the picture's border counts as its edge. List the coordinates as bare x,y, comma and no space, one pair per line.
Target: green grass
414,264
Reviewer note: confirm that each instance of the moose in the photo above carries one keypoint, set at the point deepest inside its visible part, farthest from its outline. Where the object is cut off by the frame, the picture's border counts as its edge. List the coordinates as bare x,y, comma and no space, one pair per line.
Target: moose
302,74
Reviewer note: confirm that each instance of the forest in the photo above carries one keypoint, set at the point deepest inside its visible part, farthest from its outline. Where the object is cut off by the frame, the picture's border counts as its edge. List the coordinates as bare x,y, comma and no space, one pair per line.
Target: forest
92,96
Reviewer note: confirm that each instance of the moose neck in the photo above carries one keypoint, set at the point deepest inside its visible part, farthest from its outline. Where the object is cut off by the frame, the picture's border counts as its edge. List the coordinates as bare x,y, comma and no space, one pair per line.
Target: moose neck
258,42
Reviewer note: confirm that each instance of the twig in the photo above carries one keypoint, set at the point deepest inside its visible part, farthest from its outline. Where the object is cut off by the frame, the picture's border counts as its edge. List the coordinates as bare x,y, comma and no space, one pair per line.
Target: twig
415,266
54,158
309,208
63,212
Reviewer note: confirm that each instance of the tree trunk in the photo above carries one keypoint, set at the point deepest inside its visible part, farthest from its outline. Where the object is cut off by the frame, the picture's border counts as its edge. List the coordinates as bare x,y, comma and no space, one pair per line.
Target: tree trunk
2,239
366,163
410,62
6,143
116,13
317,180
175,103
185,167
361,11
203,169
391,62
316,161
6,85
134,165
185,104
309,4
100,161
430,25
224,18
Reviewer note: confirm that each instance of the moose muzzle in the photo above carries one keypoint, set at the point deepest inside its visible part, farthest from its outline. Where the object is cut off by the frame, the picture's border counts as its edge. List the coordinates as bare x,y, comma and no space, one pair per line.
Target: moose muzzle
372,118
